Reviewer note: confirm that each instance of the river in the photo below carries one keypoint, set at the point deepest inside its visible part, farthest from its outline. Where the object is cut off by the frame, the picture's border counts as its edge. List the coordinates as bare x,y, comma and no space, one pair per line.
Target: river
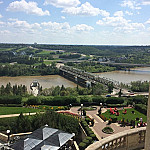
135,74
45,81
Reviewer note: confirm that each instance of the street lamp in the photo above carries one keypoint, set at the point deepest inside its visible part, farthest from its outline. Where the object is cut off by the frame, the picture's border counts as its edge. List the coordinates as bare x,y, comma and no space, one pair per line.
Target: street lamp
100,108
8,133
81,109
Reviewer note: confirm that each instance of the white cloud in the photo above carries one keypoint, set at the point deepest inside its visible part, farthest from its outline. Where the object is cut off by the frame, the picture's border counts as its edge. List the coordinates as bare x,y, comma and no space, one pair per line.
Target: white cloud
2,23
62,3
54,26
1,2
82,27
148,21
132,4
12,19
63,17
1,16
121,24
145,2
85,9
23,25
4,32
118,13
27,7
128,13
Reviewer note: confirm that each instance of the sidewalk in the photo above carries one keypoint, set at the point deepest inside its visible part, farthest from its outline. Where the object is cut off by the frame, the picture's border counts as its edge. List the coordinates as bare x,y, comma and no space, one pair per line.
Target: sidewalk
100,124
15,115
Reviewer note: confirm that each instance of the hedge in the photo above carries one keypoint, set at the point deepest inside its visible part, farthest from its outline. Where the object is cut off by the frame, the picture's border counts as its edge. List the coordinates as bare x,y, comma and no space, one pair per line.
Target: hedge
10,99
90,138
141,108
114,100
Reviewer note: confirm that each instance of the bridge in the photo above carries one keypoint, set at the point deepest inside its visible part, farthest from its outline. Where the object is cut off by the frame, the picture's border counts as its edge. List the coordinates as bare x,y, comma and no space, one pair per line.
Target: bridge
85,79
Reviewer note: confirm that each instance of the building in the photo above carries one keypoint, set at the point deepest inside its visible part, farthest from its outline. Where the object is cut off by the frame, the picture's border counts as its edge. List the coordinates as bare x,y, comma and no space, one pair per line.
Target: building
44,138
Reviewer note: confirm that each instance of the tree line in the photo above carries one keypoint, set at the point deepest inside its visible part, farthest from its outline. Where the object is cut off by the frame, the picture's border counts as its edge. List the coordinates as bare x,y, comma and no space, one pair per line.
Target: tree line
13,90
24,124
91,67
28,70
98,89
139,86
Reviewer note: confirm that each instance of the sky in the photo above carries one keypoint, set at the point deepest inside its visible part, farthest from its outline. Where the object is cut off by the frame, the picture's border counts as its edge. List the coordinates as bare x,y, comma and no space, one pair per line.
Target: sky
81,22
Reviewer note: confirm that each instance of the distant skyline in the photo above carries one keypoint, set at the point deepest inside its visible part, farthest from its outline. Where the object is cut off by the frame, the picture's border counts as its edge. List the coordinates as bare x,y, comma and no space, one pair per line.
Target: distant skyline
82,22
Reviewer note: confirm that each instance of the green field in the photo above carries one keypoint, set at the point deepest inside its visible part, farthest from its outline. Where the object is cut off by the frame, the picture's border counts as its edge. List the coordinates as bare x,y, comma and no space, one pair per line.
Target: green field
16,110
44,52
129,115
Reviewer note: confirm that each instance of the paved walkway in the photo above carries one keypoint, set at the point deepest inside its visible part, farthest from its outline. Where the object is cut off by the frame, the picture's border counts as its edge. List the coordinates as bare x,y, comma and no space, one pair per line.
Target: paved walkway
16,115
100,124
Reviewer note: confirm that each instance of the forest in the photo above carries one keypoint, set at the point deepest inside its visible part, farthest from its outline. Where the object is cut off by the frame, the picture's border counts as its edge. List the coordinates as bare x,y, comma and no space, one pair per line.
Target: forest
28,70
127,54
92,67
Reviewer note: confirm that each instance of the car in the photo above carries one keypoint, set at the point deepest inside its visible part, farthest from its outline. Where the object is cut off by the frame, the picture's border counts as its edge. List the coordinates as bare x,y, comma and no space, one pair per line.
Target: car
108,95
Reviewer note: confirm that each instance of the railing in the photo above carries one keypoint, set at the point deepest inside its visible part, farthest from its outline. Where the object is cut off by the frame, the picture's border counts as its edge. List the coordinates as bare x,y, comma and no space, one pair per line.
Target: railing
126,140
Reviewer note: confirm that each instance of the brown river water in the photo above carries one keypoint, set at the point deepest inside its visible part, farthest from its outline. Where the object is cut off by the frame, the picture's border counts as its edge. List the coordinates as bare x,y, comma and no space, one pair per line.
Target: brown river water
136,74
45,81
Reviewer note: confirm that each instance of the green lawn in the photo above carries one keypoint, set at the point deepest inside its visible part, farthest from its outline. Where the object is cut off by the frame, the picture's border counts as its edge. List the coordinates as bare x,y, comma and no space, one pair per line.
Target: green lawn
16,110
44,52
129,115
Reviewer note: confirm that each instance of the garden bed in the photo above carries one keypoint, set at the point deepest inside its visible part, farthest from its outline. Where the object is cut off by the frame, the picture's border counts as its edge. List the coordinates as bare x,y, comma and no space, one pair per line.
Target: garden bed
108,130
127,117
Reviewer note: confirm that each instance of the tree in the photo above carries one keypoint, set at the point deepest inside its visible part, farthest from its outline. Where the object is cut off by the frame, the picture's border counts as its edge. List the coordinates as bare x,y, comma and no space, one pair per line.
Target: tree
98,89
120,93
110,88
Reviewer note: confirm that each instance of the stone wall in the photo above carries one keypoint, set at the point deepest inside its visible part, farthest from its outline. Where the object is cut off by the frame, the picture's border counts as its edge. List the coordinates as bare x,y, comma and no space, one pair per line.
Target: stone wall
126,140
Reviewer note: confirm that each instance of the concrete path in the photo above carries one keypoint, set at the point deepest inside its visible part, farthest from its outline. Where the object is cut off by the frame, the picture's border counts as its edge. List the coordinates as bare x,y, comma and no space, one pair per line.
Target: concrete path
16,115
100,124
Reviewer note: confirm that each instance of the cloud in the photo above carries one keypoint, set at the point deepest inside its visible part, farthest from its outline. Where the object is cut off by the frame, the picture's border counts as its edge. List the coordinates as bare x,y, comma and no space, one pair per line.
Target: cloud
63,17
54,26
1,2
120,23
27,7
85,9
1,16
118,13
128,13
2,23
132,4
57,27
82,27
4,32
62,3
23,26
145,2
148,21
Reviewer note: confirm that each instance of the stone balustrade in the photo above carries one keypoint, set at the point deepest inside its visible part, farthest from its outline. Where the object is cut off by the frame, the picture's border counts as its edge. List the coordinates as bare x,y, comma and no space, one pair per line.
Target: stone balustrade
126,140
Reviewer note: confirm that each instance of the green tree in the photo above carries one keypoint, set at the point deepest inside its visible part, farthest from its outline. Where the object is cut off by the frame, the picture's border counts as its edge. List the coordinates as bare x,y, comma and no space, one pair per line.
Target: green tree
110,88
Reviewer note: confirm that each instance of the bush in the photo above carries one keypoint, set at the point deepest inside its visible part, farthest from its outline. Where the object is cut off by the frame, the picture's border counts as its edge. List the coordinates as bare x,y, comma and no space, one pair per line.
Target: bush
87,120
141,108
114,120
82,146
98,99
93,136
87,142
108,130
10,99
114,100
89,138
